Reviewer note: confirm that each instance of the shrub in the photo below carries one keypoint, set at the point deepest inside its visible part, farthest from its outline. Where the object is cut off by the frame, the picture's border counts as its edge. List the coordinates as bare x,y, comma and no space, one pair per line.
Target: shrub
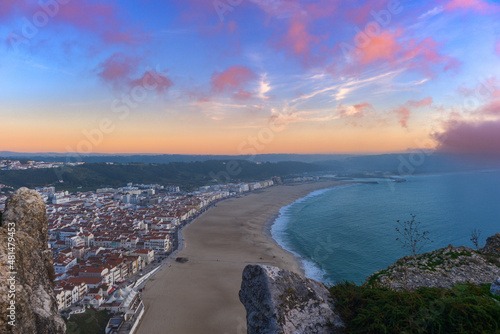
462,309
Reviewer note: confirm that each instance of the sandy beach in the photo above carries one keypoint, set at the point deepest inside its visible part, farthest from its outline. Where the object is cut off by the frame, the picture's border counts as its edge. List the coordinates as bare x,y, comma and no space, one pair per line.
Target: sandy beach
201,296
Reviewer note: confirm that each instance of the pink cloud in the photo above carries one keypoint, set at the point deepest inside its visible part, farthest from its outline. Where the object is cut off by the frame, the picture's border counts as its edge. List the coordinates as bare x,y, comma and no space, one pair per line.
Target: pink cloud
299,41
423,55
391,47
357,110
361,14
7,7
117,67
152,79
232,27
470,137
100,18
381,47
242,95
300,18
483,89
479,6
97,17
422,103
231,79
403,114
492,108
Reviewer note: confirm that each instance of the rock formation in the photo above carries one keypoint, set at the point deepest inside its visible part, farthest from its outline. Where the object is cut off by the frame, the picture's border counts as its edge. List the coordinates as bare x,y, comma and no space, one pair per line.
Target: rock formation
492,245
26,272
495,287
280,302
440,268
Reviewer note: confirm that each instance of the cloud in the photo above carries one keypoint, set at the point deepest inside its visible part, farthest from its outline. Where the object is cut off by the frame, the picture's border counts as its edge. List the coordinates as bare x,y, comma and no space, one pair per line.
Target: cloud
381,47
492,108
232,79
300,18
264,87
393,48
403,114
479,6
433,12
154,80
91,16
422,103
357,110
117,67
299,41
242,95
425,54
7,7
469,137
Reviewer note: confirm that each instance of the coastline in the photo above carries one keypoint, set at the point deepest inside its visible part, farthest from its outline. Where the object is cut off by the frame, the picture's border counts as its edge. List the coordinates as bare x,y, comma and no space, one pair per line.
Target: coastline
201,296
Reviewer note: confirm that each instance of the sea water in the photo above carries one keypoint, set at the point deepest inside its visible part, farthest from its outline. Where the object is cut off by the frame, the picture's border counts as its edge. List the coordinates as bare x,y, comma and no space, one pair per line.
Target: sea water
348,232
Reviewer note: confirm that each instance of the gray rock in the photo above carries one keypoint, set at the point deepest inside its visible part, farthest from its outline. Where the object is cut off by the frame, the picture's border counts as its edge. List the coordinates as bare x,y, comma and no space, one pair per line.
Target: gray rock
492,245
278,301
495,287
442,268
35,302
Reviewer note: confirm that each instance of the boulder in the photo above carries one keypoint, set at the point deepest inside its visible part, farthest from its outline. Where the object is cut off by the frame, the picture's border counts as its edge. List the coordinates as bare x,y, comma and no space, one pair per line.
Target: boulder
282,302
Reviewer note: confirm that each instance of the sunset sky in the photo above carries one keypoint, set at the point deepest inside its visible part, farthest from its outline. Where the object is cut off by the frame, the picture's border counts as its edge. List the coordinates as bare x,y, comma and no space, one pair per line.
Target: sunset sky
249,76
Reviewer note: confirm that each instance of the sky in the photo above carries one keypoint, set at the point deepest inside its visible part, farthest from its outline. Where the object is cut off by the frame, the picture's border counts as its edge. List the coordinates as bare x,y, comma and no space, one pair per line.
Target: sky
249,76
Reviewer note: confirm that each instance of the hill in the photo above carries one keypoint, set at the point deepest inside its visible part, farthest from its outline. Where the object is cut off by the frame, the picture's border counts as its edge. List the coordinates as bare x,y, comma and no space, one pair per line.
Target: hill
187,175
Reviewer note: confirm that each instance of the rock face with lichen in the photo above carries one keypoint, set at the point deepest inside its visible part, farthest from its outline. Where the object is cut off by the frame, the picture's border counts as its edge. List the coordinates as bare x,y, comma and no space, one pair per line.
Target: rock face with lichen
440,268
24,221
282,302
492,245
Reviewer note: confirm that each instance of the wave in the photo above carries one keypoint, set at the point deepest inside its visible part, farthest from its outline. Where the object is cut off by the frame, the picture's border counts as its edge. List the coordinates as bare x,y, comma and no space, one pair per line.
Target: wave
279,232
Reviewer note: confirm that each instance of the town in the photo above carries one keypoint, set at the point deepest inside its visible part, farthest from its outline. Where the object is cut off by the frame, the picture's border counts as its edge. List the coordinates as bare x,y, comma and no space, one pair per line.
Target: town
107,243
24,164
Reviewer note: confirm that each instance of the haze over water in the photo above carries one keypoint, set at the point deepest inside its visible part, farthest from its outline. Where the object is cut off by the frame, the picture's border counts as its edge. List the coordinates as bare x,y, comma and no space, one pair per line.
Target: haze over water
347,233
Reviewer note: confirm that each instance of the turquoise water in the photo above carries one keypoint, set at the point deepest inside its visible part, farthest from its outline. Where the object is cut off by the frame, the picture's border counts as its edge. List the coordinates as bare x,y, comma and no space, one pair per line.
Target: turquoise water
348,232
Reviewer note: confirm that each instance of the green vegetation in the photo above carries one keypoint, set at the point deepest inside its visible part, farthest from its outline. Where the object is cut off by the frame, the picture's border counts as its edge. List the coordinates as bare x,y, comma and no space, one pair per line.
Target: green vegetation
90,322
187,175
465,308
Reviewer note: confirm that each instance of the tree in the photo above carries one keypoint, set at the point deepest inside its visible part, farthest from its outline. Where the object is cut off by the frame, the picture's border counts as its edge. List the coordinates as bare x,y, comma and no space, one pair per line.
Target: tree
410,235
474,237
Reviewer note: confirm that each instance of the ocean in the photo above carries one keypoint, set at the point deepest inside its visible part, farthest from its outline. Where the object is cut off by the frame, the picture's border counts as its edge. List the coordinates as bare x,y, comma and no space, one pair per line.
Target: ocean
348,232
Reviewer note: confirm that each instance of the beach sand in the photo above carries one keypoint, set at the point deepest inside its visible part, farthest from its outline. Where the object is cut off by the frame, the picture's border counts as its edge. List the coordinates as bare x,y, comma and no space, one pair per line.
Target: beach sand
201,296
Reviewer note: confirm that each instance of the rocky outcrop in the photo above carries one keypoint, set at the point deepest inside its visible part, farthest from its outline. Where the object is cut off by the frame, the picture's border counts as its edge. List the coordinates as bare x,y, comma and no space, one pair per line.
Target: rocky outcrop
492,245
495,287
441,268
26,272
278,301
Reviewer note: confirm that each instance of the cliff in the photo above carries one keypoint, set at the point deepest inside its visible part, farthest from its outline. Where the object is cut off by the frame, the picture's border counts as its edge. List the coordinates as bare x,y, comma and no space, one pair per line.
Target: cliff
440,268
278,301
27,299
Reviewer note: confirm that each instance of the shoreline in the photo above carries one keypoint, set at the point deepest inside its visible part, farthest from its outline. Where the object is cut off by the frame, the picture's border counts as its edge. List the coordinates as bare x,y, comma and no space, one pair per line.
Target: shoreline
201,296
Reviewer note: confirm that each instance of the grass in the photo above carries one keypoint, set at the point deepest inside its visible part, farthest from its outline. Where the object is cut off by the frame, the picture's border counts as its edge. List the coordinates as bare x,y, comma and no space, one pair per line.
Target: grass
90,322
465,308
